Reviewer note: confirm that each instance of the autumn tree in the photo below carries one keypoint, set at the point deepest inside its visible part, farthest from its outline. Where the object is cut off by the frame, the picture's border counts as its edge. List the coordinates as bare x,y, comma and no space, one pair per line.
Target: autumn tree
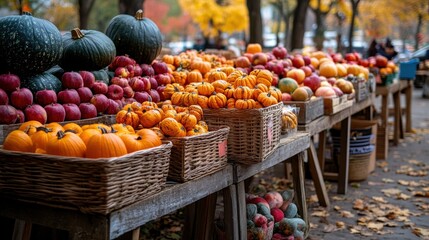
130,6
85,7
285,9
255,23
354,7
321,9
298,30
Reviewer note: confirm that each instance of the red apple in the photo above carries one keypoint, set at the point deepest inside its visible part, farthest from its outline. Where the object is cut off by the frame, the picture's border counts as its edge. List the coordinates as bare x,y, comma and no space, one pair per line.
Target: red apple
72,80
148,82
163,79
259,59
120,102
338,91
88,110
72,112
364,62
85,94
298,61
4,99
331,80
122,72
69,96
20,116
113,107
260,67
141,96
9,82
350,57
36,112
286,97
275,81
120,81
307,60
249,56
160,90
380,61
45,97
100,101
130,100
99,87
137,84
312,81
115,92
153,83
130,69
279,52
147,70
8,114
325,92
160,67
21,98
287,63
270,56
88,78
128,92
55,112
155,95
307,70
121,61
137,70
242,62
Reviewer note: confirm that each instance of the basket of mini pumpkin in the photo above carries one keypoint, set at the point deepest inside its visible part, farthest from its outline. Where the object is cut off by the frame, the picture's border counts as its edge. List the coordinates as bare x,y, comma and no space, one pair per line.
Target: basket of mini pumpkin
93,169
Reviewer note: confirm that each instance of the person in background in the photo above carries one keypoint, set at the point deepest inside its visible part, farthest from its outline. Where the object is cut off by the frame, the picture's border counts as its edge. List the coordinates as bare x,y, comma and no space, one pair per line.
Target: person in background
199,44
373,49
389,50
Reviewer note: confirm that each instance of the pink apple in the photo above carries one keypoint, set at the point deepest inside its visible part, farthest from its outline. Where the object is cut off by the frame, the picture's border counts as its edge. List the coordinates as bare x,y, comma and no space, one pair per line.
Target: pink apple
287,63
20,116
88,78
148,83
21,98
243,62
122,72
279,52
45,97
8,114
259,66
307,70
55,112
259,59
307,60
141,96
160,67
69,96
270,56
130,69
88,110
85,94
338,91
100,101
99,87
325,92
9,82
36,112
121,61
128,92
120,81
115,92
298,61
4,99
72,112
120,102
137,70
313,82
130,100
163,79
275,81
286,97
154,95
113,107
331,80
160,90
153,83
72,80
137,84
147,70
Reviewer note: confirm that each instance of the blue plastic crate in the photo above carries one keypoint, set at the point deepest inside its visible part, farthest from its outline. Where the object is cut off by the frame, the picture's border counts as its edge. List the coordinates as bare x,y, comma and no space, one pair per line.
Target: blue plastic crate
407,70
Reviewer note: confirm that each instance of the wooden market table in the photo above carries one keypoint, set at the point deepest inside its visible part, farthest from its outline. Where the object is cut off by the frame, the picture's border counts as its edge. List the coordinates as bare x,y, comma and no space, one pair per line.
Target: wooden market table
394,90
316,159
197,195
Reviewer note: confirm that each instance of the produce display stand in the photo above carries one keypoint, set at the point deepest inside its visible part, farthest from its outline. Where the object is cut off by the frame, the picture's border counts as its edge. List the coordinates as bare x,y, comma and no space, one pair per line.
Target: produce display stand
316,159
394,90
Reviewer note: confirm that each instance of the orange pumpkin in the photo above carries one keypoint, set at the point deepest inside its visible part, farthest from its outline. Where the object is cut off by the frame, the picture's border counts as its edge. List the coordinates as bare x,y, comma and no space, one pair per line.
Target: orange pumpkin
179,77
202,101
143,139
158,132
66,144
205,89
18,140
245,80
177,98
253,48
229,92
172,88
168,59
128,117
188,121
245,103
55,127
275,92
105,145
194,76
197,111
230,103
266,99
74,127
202,66
204,125
149,118
190,99
220,85
30,127
242,92
88,133
258,89
229,69
262,76
217,100
41,137
216,74
134,106
172,128
121,127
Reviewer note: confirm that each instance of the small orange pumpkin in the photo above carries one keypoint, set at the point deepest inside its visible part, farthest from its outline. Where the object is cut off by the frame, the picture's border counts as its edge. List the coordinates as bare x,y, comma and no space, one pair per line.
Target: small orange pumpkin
197,111
217,100
128,117
205,89
266,99
105,145
202,101
74,127
149,118
88,133
66,144
220,85
253,48
172,128
262,76
258,89
194,76
216,74
30,127
18,140
242,92
245,104
188,121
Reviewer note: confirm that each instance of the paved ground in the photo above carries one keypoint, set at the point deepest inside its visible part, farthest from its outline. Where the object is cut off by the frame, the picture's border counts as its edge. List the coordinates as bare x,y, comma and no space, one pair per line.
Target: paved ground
393,203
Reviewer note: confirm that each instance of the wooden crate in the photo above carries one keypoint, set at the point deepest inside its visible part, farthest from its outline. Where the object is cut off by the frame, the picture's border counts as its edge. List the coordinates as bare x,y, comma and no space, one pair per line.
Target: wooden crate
361,90
308,110
337,104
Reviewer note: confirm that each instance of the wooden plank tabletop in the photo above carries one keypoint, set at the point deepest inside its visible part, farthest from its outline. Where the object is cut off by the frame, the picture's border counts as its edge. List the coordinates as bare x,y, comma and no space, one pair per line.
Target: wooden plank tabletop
288,147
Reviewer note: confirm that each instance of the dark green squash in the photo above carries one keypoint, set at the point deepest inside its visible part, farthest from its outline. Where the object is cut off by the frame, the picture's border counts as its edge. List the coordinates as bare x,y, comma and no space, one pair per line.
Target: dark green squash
137,36
42,81
86,50
28,45
101,75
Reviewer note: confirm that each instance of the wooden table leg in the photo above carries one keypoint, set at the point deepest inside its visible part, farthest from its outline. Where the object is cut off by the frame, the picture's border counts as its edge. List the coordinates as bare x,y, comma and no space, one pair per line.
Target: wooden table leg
317,176
384,137
321,149
408,106
397,116
241,210
202,226
22,230
231,218
343,161
299,186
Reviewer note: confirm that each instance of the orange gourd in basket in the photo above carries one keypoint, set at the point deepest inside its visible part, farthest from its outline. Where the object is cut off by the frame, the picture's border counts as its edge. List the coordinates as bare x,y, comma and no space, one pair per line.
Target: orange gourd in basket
18,140
172,128
105,145
30,127
128,117
66,144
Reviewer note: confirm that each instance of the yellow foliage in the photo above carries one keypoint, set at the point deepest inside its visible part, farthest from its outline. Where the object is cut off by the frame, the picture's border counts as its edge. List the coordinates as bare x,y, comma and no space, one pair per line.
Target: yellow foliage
212,17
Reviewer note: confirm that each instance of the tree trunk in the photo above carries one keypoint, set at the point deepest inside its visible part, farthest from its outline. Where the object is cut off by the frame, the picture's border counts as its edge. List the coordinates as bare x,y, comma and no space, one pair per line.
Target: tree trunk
418,29
298,30
255,21
355,4
85,7
130,7
319,34
280,16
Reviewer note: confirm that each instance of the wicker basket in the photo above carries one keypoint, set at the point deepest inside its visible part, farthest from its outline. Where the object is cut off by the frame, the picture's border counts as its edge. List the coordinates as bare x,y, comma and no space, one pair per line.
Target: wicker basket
91,186
359,166
197,156
254,133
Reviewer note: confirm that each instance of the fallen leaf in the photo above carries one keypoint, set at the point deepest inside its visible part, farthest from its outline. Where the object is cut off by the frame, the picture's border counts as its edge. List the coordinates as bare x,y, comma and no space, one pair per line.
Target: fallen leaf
340,224
382,164
366,233
375,183
347,214
323,213
355,231
355,185
390,192
363,220
358,204
313,199
391,224
380,199
375,226
419,173
378,212
391,215
421,232
330,228
388,180
338,198
382,219
403,196
337,208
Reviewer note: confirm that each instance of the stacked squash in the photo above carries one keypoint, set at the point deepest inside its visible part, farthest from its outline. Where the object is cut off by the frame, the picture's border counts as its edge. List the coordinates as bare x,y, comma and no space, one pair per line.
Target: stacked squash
166,120
91,141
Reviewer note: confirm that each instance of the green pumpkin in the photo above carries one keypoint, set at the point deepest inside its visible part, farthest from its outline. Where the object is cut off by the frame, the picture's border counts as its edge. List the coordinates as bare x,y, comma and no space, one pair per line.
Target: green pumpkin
86,50
102,75
42,81
28,45
137,36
